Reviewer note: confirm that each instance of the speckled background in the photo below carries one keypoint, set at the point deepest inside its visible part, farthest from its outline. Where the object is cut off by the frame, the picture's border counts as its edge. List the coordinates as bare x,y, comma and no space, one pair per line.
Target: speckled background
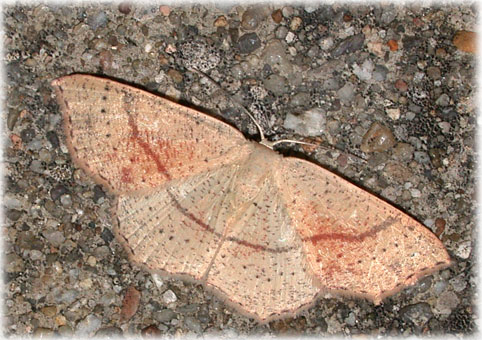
355,65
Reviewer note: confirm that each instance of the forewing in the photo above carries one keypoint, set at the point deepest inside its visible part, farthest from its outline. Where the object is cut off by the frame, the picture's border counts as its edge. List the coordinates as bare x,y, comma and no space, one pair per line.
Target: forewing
355,242
129,139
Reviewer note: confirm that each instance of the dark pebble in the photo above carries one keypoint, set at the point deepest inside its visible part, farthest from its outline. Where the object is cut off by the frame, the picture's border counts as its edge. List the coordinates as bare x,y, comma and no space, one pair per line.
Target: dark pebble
58,191
410,42
349,45
248,43
109,331
53,139
124,7
418,313
27,135
12,118
107,235
98,193
14,214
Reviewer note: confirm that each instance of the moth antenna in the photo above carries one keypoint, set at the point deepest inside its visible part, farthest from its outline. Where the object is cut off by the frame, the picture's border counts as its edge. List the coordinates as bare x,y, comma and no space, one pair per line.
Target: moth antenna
264,141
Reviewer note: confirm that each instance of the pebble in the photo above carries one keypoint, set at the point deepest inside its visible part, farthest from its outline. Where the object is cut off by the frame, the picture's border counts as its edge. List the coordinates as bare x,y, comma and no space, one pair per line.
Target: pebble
465,41
434,73
193,324
169,297
130,303
251,18
221,21
276,84
380,73
300,99
109,332
49,311
346,93
421,157
277,16
97,20
418,314
393,113
377,139
14,263
309,123
403,152
364,72
55,237
66,200
248,43
275,56
392,44
124,7
151,331
88,326
164,315
401,85
349,45
459,283
439,287
443,100
295,23
464,249
446,302
326,43
281,32
64,296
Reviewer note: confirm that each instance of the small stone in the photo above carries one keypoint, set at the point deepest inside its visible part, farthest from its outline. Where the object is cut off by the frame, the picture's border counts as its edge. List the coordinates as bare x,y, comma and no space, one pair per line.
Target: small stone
434,72
459,283
439,287
418,314
165,10
364,72
277,16
380,73
421,157
42,332
13,263
66,200
130,303
276,84
107,235
465,41
401,85
443,100
49,311
439,226
55,237
221,21
248,43
447,302
175,75
124,7
346,93
151,331
91,261
251,18
88,326
193,324
295,23
97,20
464,249
309,123
392,44
164,315
300,99
109,332
393,113
169,297
349,45
377,139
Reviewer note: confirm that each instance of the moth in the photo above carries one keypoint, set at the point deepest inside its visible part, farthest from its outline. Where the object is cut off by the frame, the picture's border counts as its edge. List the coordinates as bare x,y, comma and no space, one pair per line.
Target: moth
196,200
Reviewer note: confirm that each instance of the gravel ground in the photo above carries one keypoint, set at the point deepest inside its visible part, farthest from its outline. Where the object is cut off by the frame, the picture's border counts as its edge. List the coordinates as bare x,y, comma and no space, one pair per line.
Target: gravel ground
324,73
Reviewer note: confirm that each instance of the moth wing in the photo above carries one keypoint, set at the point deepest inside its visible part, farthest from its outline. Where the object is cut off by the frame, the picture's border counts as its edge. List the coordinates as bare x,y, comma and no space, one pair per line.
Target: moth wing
355,242
130,140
